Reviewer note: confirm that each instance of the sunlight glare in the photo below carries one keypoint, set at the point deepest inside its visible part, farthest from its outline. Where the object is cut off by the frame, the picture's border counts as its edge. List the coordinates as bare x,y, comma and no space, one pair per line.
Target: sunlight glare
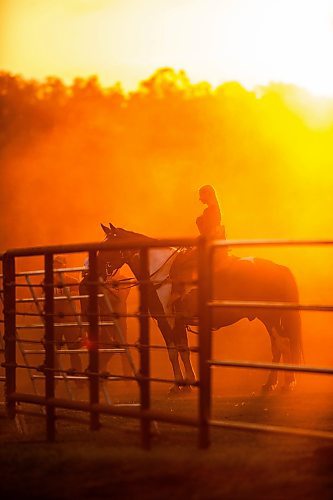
250,41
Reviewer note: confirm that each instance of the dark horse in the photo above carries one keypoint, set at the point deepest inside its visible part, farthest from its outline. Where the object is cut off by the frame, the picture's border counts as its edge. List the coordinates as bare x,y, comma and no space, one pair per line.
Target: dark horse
236,279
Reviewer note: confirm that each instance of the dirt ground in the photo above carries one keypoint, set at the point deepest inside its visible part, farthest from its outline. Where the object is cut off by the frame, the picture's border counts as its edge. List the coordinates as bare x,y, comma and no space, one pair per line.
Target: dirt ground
110,463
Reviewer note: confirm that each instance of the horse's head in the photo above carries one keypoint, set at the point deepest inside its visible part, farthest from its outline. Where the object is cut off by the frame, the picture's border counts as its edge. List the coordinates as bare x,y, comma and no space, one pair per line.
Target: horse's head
110,260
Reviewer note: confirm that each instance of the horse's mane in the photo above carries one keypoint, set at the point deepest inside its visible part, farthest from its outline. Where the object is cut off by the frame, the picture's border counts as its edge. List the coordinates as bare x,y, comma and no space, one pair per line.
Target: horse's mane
135,236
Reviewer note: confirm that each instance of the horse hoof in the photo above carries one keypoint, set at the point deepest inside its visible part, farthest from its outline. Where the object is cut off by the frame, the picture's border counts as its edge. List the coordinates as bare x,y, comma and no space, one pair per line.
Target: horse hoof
290,387
267,388
174,391
186,389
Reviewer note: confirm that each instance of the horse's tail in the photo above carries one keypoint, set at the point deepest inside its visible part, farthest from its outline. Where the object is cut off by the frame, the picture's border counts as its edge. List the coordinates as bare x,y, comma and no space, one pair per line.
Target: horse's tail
291,320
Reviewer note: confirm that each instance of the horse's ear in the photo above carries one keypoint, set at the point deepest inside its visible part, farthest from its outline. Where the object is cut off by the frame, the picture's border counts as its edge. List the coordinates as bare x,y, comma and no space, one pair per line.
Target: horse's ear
106,230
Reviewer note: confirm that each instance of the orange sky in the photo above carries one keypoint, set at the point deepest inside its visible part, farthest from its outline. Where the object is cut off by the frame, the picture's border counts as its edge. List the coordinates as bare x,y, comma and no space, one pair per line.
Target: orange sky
252,41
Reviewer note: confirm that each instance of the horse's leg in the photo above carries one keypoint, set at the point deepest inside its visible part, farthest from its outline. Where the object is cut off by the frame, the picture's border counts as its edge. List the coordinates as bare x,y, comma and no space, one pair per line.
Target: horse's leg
105,342
289,376
106,337
272,379
280,347
72,338
284,346
158,313
291,326
122,322
183,349
119,332
83,291
172,350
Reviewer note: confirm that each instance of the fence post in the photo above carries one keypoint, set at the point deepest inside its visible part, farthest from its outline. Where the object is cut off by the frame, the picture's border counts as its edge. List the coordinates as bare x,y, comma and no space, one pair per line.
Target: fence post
144,342
49,346
93,336
204,291
10,331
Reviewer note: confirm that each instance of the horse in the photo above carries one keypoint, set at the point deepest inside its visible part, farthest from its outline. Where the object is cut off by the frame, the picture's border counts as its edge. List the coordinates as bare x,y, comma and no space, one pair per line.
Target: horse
235,279
111,299
159,292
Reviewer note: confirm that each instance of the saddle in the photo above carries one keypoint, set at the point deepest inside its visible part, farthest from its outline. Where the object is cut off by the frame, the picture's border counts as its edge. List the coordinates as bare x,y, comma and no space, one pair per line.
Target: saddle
185,264
232,280
182,274
184,269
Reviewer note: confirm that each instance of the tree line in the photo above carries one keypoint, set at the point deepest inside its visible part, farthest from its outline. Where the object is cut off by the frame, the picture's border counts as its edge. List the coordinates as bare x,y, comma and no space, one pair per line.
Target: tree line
157,143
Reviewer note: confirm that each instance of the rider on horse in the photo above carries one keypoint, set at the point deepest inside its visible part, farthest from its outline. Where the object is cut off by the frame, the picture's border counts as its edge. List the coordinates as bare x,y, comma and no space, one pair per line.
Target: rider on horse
209,225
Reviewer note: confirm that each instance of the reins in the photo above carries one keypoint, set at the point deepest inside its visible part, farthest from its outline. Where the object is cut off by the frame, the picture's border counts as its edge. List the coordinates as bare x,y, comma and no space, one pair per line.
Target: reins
136,283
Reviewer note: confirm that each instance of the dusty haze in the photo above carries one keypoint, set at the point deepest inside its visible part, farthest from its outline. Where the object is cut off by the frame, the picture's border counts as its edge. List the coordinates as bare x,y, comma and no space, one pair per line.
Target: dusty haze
75,156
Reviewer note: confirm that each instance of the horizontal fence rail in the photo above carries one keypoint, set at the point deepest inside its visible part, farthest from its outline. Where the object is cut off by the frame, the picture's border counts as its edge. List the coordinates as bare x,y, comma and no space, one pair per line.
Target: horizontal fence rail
283,367
289,306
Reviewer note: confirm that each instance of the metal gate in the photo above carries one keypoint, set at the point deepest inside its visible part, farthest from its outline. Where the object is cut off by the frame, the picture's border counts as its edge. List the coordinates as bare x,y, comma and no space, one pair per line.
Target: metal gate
145,412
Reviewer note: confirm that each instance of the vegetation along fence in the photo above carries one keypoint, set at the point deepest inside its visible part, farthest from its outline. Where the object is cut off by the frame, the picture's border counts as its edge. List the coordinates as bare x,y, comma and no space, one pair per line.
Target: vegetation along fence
51,370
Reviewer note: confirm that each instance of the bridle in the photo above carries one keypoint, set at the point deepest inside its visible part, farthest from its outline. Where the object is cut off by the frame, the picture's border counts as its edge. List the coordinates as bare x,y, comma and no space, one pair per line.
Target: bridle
114,271
111,274
126,260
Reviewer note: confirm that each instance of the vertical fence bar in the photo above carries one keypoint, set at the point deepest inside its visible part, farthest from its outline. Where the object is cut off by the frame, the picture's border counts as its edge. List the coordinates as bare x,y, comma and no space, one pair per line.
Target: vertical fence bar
10,330
93,335
204,291
144,341
49,346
